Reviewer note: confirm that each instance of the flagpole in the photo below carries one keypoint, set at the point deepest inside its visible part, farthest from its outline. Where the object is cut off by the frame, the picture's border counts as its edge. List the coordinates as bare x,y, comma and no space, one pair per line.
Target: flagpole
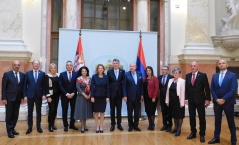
140,110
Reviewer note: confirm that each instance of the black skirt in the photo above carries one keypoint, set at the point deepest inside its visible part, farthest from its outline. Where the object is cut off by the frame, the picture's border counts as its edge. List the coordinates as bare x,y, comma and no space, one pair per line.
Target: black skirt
99,105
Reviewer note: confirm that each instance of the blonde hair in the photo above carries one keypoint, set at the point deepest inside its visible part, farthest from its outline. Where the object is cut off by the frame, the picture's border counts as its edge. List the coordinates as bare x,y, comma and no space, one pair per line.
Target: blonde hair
52,65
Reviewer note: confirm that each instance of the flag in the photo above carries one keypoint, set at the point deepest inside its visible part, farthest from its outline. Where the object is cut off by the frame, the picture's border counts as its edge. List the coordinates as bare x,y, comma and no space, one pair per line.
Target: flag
79,58
140,61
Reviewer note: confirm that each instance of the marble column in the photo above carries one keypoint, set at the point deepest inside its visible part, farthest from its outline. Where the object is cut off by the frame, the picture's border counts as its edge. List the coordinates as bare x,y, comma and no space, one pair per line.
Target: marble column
142,15
71,18
12,46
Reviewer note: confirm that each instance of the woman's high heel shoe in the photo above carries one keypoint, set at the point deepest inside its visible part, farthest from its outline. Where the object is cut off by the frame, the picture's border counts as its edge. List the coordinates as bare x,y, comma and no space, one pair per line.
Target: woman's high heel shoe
173,131
178,133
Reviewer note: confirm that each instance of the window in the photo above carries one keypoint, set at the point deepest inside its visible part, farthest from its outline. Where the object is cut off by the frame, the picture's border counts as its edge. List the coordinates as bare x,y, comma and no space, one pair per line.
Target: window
154,15
107,14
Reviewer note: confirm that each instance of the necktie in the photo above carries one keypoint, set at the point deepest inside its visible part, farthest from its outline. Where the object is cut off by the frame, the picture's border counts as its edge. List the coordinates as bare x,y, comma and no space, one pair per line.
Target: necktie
35,76
163,80
193,79
135,78
16,77
116,75
221,79
69,77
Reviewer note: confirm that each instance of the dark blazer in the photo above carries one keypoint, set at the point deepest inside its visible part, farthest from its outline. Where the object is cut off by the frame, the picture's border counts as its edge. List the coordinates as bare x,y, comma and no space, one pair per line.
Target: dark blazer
67,86
10,89
99,86
228,88
31,88
200,91
130,89
116,85
163,88
153,87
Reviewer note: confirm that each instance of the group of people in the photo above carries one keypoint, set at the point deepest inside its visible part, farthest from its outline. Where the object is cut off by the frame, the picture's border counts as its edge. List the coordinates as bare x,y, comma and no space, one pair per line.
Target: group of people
88,97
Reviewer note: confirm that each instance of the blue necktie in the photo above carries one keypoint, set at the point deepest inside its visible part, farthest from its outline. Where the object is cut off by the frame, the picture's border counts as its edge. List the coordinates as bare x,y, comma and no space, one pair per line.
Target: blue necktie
163,80
35,77
221,79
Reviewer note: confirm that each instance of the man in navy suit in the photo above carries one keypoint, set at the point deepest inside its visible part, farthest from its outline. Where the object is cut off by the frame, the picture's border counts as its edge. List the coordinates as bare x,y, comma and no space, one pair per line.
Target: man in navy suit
223,88
197,96
163,84
116,76
68,88
34,92
133,93
12,95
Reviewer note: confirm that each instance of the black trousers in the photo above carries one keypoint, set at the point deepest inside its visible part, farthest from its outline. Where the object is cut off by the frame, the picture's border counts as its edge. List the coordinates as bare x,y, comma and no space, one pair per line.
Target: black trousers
30,106
167,118
12,112
115,102
192,106
53,109
150,107
65,104
133,106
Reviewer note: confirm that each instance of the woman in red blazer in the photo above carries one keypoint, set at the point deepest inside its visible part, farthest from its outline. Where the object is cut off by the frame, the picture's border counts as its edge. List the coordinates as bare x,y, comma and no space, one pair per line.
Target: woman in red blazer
151,90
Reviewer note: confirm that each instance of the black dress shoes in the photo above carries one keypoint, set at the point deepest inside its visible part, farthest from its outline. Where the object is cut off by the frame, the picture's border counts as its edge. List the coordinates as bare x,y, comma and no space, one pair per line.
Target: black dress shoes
86,129
120,127
10,135
112,128
73,127
191,136
173,131
50,128
163,128
54,127
178,133
39,130
130,129
213,141
137,129
202,139
101,131
97,131
66,129
29,130
14,132
169,129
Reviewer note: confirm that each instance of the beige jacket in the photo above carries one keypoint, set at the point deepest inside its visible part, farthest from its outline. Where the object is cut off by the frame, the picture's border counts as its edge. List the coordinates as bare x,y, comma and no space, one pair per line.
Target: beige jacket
180,91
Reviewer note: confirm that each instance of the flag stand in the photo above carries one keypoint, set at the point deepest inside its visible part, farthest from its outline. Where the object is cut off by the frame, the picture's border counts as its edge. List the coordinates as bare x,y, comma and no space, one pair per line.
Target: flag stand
140,115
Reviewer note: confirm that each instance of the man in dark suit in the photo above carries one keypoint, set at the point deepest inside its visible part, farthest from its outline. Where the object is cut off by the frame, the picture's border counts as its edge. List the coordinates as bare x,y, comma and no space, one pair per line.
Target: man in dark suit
68,88
163,84
223,88
133,93
34,92
197,96
116,76
12,95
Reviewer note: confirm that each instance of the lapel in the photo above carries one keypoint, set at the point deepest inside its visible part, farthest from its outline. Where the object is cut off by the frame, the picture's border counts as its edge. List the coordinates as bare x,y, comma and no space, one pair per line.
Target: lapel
113,73
217,78
66,73
131,77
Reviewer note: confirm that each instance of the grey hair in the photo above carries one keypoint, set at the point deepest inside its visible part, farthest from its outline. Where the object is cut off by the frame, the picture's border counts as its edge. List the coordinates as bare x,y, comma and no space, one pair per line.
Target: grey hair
176,69
117,60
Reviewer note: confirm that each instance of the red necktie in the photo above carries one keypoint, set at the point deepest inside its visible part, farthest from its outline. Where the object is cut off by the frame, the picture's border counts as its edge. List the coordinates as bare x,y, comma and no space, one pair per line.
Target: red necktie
193,79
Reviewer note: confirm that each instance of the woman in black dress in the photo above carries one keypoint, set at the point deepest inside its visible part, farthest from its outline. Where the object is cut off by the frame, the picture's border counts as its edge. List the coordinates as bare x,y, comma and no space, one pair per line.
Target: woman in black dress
53,91
175,99
83,106
99,96
151,89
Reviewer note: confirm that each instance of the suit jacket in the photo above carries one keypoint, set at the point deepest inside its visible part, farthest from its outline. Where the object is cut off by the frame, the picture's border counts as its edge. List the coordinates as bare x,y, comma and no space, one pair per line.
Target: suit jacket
10,89
31,88
67,86
228,88
99,86
116,85
180,91
163,87
153,87
200,91
130,89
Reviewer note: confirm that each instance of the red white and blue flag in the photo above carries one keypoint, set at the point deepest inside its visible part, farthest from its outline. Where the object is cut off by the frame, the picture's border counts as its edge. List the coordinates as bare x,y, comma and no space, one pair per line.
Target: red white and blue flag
140,61
79,58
